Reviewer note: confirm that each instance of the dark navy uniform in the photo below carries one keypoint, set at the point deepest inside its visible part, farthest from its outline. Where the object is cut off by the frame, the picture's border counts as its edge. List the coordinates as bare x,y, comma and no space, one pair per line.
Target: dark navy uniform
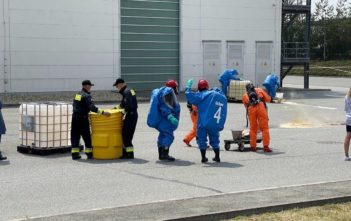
130,105
82,105
2,130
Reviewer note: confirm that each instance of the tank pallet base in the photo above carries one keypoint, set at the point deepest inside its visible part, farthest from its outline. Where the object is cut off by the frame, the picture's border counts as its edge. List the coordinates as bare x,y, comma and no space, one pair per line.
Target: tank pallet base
233,99
42,151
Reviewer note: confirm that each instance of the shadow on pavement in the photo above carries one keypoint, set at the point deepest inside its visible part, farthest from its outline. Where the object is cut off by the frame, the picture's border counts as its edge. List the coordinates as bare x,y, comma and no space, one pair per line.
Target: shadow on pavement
4,163
51,156
132,161
222,164
177,162
259,151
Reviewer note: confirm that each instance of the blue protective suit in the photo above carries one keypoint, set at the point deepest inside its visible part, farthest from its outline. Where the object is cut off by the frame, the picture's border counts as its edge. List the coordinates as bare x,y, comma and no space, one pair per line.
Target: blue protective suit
271,84
212,109
163,103
225,77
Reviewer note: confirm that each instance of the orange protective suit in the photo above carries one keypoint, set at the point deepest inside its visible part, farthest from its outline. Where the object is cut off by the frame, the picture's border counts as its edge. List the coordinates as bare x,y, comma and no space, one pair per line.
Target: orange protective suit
258,117
192,134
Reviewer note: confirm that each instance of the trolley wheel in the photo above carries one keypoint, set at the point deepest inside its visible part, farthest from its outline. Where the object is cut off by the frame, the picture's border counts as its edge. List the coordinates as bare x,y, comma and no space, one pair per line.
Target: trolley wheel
227,146
241,146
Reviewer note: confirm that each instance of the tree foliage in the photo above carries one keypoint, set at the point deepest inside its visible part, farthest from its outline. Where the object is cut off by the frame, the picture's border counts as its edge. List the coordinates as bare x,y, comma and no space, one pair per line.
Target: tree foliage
331,30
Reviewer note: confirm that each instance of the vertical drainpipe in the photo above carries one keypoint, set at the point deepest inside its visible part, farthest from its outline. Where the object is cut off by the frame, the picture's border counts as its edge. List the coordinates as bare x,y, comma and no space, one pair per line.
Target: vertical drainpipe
119,74
7,46
113,40
5,80
180,33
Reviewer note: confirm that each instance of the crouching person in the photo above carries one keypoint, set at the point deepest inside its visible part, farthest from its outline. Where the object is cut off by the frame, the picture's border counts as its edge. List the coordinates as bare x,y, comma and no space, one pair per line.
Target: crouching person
212,109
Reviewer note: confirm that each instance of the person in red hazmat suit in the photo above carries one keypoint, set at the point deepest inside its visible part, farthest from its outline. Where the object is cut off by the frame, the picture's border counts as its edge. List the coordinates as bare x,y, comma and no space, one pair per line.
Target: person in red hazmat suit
164,116
255,100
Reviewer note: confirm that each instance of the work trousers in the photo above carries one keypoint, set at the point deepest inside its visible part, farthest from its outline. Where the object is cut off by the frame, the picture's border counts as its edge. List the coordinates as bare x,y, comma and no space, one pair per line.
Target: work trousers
80,127
129,125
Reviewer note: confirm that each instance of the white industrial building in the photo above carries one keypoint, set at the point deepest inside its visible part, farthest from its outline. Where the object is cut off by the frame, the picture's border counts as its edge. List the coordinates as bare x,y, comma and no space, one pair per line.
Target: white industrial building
52,45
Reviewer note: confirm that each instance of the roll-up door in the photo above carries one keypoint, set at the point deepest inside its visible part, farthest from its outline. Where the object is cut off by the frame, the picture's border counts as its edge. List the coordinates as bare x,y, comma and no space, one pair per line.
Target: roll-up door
149,42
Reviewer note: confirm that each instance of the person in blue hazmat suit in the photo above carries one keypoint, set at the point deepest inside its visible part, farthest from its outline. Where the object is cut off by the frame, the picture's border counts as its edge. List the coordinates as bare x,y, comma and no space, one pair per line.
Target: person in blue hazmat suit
212,108
164,117
271,84
225,77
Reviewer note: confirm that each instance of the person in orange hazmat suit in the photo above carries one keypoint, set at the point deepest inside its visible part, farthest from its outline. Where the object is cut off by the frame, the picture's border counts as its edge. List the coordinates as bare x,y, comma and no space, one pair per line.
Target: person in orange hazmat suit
255,102
194,116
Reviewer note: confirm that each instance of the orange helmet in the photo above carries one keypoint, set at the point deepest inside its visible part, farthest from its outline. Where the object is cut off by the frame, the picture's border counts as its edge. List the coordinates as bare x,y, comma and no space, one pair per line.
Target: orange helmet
173,84
202,85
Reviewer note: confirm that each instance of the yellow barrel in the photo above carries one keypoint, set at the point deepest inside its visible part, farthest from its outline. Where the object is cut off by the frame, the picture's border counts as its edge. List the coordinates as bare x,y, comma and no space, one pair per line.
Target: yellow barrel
107,135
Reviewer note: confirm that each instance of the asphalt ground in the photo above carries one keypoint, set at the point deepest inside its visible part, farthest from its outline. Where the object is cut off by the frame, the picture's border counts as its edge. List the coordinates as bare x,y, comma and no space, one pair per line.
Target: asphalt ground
307,133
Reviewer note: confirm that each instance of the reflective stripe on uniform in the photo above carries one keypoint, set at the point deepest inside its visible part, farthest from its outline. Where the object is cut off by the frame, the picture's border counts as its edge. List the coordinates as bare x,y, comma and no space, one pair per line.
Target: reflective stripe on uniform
75,150
88,150
78,97
132,92
129,149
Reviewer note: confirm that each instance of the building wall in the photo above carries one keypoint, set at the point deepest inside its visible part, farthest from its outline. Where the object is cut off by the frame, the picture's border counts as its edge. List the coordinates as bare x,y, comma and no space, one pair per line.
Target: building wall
228,20
54,45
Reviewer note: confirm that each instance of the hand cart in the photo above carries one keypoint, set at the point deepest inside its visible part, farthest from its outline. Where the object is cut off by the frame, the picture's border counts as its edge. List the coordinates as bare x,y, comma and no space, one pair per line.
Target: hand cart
240,137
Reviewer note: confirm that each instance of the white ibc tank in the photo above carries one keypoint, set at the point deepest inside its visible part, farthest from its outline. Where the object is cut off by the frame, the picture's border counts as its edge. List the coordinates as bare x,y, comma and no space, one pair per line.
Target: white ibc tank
237,89
45,125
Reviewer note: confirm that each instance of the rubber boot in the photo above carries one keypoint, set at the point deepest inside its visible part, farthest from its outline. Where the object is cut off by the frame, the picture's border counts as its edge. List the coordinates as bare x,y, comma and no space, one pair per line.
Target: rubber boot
130,155
253,149
124,153
203,156
127,155
216,158
160,152
76,156
187,142
2,157
165,156
267,149
89,156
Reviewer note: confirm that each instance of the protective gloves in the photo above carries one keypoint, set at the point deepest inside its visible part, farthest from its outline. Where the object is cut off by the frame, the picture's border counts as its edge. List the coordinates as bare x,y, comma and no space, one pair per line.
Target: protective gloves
173,120
189,83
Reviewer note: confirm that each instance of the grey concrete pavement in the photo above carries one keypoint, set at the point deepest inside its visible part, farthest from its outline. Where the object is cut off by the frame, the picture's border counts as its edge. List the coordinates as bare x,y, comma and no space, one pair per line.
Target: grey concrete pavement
220,206
306,136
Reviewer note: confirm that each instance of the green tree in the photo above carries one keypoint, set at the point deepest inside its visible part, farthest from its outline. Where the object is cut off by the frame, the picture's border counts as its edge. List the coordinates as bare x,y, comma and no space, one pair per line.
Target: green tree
320,20
341,9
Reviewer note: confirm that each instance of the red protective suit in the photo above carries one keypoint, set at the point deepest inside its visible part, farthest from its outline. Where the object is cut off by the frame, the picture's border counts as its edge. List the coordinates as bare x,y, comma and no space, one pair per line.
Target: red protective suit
192,134
258,117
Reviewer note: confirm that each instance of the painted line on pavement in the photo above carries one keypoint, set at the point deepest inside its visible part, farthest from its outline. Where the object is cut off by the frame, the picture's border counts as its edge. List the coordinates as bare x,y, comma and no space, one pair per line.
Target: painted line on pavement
307,105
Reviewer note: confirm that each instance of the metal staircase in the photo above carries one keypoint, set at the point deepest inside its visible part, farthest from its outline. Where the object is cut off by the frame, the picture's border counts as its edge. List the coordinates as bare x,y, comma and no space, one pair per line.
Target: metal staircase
295,53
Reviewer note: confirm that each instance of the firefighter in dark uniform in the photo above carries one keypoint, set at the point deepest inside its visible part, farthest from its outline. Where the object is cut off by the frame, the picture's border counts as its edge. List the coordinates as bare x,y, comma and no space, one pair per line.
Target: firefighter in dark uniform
130,105
82,105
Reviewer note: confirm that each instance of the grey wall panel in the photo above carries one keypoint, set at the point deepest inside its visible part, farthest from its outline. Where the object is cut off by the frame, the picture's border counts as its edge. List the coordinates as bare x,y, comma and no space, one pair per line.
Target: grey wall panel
63,41
149,42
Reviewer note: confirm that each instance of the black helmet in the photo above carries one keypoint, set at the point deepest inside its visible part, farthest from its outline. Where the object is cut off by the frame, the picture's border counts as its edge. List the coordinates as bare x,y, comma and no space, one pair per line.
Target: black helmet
250,87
